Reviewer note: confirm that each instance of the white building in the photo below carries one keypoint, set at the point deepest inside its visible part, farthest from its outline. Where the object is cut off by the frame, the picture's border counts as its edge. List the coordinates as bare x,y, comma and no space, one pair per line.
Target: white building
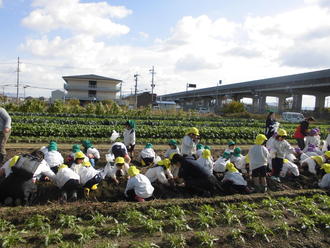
91,88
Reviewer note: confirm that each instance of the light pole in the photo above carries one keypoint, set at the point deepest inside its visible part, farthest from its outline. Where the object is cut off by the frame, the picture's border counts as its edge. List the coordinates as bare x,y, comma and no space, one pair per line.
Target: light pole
24,87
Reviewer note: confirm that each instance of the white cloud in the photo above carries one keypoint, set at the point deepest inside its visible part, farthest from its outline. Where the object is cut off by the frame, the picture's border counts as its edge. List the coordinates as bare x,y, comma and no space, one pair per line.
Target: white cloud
144,35
197,50
89,18
1,2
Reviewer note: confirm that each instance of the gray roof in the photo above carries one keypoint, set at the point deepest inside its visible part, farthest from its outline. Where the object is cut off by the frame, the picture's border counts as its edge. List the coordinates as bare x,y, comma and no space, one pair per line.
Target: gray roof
90,76
292,79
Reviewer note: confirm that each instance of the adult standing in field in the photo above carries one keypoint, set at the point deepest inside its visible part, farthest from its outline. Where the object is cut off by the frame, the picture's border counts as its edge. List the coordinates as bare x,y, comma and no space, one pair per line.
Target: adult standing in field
129,136
5,126
271,125
302,131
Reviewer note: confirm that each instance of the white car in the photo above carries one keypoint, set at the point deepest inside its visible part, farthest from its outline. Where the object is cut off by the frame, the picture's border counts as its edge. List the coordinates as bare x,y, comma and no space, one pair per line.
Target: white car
293,117
203,110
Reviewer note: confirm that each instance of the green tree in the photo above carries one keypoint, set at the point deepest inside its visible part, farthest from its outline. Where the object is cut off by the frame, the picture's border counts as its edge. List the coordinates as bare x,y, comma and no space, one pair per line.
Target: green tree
233,107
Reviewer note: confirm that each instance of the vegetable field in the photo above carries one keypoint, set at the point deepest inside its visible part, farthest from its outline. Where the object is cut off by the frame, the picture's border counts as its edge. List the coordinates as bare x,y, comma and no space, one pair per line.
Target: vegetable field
72,128
282,219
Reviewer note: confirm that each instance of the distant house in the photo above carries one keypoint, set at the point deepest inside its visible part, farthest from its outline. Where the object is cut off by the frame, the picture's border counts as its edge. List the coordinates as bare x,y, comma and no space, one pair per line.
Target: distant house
57,95
165,105
87,88
143,99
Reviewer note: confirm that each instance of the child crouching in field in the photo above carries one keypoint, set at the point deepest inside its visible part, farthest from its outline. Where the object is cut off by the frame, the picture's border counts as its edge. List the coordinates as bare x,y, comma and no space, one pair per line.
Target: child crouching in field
117,171
325,181
138,187
258,157
233,181
173,148
68,182
91,152
53,158
70,158
89,178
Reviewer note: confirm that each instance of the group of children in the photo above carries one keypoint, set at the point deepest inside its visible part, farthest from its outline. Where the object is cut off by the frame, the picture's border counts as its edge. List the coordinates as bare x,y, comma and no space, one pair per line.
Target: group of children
190,166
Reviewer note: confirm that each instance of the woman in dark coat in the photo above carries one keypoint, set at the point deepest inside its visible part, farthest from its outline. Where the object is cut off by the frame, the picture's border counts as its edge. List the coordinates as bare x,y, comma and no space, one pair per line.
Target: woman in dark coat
271,125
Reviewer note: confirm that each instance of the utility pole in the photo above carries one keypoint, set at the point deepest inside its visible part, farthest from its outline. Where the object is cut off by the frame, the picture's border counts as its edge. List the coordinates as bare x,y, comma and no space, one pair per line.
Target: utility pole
17,99
136,81
121,87
152,71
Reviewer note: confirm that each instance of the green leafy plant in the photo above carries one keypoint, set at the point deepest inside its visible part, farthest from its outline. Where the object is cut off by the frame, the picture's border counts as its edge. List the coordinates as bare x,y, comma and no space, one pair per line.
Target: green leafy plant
207,210
66,244
230,217
205,239
258,228
306,223
12,238
85,233
5,225
205,221
276,214
179,224
38,222
270,203
134,217
156,214
175,241
99,219
51,236
250,216
118,229
68,221
285,228
107,245
176,211
153,226
237,234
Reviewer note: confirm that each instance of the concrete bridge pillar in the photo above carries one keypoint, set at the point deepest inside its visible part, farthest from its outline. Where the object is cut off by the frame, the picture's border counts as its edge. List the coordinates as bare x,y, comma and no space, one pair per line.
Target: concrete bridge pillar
262,104
281,103
319,102
297,103
255,104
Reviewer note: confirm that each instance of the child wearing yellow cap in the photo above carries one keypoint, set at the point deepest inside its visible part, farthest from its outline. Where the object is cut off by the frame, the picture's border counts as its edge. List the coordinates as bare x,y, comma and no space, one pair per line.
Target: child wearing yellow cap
138,186
258,158
116,171
314,163
189,142
173,148
160,172
325,181
233,181
205,160
68,183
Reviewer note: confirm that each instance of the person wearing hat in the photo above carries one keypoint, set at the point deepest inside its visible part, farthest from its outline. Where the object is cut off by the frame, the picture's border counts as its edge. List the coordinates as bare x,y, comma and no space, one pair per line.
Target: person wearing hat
289,168
220,163
79,158
258,158
327,142
199,150
160,172
205,160
271,125
116,171
281,148
173,148
233,181
89,177
189,142
118,149
314,163
53,158
138,186
129,136
148,156
313,138
21,172
5,127
70,158
68,183
91,152
325,181
197,180
302,131
231,147
238,160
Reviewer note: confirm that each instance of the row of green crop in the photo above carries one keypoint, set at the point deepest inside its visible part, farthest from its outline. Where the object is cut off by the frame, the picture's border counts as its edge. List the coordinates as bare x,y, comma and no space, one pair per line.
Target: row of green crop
238,222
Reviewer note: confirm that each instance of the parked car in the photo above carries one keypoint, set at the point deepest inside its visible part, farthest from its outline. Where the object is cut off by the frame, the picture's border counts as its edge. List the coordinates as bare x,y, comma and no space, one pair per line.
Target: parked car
203,110
293,117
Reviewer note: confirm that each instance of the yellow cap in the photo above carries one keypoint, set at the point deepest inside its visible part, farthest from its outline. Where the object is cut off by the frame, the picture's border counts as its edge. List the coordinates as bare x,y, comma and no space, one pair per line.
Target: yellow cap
318,159
327,153
13,161
326,168
62,166
231,167
172,155
86,164
79,155
206,153
94,187
133,171
260,139
119,160
165,162
285,161
193,130
282,132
